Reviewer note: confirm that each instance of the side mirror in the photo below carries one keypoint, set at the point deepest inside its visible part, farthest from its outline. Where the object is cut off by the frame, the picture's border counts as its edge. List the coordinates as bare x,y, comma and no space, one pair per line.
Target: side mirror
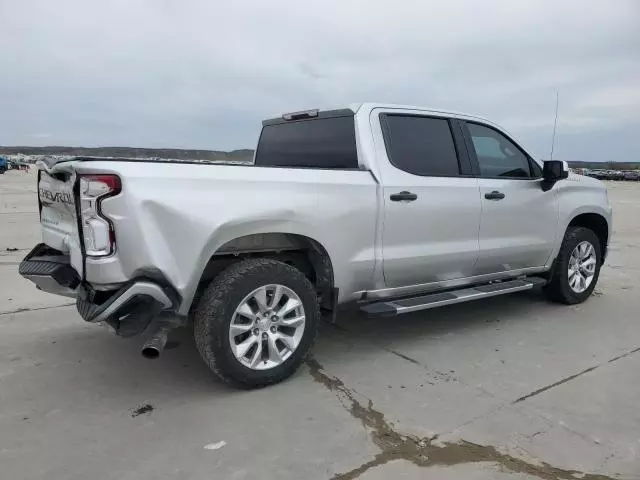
554,170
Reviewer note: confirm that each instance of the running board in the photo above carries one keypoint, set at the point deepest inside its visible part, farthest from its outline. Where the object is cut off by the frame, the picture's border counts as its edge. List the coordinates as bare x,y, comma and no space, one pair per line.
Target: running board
433,300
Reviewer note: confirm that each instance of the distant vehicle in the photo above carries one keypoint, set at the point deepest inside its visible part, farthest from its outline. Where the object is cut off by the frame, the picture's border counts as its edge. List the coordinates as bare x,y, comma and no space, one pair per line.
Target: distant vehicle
605,174
4,165
396,209
632,175
599,174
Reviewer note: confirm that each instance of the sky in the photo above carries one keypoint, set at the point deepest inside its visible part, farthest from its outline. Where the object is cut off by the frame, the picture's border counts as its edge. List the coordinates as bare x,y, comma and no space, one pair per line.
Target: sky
203,74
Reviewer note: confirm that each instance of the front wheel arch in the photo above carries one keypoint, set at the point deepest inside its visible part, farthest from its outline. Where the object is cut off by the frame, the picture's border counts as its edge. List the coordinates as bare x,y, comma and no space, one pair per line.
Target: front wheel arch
558,288
597,224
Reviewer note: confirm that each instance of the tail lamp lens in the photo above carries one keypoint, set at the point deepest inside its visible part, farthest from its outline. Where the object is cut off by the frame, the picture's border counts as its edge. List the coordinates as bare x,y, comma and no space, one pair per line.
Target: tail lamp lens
97,229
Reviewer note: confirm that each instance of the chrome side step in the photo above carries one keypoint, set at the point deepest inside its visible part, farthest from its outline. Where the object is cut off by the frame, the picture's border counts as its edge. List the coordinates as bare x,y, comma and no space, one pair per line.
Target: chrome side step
433,300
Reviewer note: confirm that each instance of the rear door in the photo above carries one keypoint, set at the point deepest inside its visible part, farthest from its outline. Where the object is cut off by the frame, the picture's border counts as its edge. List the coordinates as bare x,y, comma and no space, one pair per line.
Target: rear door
431,203
519,220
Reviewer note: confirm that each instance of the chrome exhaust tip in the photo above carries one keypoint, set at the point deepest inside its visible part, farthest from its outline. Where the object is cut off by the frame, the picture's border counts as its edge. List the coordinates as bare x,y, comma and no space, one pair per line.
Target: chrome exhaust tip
153,347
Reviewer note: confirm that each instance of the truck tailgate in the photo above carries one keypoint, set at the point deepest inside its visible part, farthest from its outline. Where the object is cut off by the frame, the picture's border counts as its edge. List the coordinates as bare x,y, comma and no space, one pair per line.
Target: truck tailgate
58,214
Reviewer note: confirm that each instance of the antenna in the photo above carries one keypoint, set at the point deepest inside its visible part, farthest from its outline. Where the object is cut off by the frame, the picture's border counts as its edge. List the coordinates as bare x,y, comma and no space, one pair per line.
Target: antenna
555,124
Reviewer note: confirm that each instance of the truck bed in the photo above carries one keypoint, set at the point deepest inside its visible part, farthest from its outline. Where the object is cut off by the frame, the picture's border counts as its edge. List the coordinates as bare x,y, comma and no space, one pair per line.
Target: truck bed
172,216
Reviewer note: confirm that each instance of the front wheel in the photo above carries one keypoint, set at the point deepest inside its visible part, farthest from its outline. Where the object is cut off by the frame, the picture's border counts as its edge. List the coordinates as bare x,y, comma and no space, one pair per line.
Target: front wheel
577,267
256,322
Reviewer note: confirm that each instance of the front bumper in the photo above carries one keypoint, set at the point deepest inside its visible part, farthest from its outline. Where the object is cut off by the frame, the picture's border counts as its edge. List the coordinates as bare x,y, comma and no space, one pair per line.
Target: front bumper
128,310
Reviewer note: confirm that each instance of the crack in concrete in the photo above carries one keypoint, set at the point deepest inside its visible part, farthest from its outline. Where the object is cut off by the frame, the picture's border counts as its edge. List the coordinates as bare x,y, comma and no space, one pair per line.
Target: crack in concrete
435,375
21,310
614,359
404,357
447,377
5,252
559,382
422,451
571,377
18,213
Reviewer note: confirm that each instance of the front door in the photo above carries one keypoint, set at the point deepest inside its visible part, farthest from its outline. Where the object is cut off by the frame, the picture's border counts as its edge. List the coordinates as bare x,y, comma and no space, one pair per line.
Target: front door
431,210
519,220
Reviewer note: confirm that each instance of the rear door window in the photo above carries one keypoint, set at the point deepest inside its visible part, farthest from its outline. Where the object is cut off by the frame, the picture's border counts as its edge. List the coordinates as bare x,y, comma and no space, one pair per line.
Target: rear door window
420,145
312,143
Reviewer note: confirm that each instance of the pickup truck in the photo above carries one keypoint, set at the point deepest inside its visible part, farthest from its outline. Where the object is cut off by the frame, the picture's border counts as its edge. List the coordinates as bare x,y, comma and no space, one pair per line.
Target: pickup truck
392,209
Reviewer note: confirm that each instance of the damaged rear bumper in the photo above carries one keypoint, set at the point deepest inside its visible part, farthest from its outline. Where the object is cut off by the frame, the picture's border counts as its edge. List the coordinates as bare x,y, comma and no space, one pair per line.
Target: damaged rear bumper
128,310
50,270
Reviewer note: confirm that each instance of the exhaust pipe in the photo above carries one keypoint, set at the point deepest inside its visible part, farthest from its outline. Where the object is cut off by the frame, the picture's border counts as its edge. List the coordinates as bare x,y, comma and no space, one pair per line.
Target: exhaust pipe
155,343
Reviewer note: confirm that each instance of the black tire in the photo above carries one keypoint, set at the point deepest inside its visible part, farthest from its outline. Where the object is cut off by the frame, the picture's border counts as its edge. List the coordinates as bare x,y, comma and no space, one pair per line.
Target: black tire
217,305
558,288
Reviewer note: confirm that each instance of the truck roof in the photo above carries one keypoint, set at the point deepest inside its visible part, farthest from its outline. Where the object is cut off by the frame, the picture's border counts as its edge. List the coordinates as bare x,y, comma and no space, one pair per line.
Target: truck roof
368,106
438,111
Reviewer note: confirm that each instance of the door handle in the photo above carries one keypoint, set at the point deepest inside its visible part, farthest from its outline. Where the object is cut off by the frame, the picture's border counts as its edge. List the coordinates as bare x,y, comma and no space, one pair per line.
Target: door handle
495,195
403,196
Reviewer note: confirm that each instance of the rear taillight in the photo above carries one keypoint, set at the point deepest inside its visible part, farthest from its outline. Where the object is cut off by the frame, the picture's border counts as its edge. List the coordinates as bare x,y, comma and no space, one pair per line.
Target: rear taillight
97,230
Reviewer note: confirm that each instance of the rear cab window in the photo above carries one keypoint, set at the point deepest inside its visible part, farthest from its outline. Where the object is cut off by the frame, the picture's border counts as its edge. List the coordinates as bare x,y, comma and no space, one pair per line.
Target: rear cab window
309,140
420,145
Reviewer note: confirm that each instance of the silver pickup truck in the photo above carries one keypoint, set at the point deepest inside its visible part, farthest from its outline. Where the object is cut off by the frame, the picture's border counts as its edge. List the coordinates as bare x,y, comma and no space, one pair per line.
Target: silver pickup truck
394,209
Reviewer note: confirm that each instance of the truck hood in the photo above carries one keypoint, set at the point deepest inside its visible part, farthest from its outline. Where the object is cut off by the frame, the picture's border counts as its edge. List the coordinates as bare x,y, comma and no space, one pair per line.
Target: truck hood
587,181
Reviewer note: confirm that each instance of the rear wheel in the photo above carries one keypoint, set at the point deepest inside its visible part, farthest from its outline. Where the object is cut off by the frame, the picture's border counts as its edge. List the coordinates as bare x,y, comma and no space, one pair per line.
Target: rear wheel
577,267
256,322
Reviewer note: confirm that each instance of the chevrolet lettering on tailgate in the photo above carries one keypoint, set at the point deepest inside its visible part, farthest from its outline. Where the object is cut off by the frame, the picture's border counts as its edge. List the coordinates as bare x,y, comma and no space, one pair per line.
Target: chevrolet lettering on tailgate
47,196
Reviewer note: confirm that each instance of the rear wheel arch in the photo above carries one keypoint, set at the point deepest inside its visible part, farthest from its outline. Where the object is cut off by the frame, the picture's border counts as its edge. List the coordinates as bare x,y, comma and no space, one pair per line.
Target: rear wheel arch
302,252
234,349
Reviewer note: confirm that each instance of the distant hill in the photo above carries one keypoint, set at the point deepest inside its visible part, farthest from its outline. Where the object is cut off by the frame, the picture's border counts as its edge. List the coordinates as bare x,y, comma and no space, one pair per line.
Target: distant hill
132,152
